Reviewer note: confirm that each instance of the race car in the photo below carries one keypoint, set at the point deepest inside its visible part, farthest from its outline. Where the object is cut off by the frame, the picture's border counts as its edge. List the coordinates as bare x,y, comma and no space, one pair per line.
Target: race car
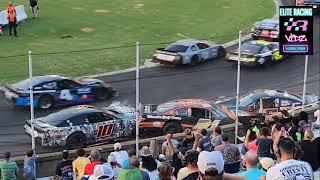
81,125
188,51
314,3
176,115
256,53
264,102
267,29
55,90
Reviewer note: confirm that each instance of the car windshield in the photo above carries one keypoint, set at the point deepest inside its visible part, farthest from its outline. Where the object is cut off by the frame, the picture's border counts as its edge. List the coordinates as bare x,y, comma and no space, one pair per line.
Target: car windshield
166,106
247,99
251,48
176,48
58,117
24,85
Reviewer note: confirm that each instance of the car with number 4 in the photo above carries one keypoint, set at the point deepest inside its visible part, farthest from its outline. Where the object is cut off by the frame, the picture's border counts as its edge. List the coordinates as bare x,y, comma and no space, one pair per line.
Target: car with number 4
55,90
188,51
256,53
82,125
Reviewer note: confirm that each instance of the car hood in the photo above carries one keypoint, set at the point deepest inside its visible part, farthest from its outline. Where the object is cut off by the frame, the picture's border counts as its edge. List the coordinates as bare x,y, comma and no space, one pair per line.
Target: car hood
39,124
122,110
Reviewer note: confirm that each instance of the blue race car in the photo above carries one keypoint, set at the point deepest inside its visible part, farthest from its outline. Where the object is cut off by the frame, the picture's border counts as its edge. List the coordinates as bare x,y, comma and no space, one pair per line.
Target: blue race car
55,90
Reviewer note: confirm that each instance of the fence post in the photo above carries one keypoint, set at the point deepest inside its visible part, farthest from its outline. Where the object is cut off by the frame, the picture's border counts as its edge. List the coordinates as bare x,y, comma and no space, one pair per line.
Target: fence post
238,90
305,81
137,96
31,103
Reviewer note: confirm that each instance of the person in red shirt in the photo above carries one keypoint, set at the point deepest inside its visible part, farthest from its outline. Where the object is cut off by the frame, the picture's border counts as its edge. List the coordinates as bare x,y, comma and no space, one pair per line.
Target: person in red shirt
95,160
12,18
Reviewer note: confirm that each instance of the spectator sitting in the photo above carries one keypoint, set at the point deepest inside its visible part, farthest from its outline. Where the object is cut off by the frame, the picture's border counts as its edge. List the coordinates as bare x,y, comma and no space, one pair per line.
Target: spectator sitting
95,160
251,162
216,137
29,167
79,164
264,143
103,172
148,163
64,168
231,155
114,164
166,172
266,163
310,151
188,139
205,142
9,169
122,157
289,168
250,141
191,158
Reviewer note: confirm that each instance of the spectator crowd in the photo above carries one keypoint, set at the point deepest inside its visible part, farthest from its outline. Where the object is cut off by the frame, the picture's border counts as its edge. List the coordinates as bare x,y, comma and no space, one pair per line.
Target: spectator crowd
273,150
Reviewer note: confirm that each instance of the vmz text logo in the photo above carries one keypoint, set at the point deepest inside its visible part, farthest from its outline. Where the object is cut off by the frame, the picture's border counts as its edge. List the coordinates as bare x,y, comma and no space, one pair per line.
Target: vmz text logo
299,25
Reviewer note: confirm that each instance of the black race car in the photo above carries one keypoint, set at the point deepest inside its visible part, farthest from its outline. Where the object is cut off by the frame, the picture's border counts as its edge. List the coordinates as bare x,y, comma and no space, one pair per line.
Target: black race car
55,90
256,53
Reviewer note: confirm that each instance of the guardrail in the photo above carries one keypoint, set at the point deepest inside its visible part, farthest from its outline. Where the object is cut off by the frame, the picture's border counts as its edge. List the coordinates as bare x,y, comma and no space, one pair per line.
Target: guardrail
47,163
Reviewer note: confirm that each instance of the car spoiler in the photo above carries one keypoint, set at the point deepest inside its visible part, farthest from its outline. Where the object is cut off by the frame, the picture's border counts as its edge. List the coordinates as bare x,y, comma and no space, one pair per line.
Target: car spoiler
162,51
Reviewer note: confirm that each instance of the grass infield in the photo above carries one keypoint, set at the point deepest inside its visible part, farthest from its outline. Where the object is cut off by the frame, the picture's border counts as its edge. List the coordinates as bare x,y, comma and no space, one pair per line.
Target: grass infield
77,25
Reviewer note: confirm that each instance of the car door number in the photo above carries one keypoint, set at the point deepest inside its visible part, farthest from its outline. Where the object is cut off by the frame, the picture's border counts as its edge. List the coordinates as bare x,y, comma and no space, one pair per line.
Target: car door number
65,94
104,130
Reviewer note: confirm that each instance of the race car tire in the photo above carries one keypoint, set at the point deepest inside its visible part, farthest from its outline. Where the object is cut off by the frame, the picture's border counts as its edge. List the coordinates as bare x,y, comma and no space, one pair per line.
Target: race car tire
194,60
102,93
173,127
76,140
45,102
221,52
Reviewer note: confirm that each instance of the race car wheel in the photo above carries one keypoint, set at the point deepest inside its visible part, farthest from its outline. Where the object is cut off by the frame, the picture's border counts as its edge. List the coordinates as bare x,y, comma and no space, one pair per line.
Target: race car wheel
173,127
102,93
221,52
194,60
76,140
45,102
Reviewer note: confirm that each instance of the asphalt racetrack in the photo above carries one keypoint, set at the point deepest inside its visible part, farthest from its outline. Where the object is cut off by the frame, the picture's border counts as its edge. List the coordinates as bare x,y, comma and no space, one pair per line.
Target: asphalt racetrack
161,84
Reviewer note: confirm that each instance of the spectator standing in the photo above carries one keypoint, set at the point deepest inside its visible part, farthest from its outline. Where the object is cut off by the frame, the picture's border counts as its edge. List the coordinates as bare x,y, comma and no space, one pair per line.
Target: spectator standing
310,151
9,169
295,130
204,142
266,163
231,155
188,139
64,168
166,172
29,167
264,143
148,163
191,158
251,162
12,18
250,141
0,29
216,137
95,160
304,122
169,138
34,8
122,156
79,164
289,168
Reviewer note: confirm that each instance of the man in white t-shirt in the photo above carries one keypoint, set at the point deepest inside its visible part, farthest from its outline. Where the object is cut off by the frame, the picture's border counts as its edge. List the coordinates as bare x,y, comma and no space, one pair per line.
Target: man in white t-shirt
317,116
289,168
122,157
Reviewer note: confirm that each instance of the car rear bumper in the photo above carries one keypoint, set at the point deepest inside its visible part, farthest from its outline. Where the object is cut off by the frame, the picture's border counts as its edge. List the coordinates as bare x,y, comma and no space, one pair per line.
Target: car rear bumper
166,62
242,62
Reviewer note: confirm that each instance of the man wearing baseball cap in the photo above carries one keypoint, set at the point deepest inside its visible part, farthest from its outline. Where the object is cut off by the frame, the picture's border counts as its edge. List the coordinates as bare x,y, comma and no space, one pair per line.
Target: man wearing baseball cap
102,172
122,156
191,158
